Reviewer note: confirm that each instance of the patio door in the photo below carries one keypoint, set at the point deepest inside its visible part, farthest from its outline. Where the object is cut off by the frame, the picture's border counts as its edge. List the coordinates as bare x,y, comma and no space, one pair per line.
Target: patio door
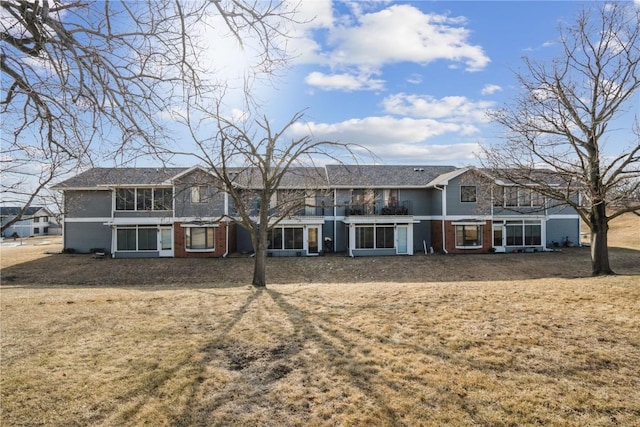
499,236
165,242
313,236
401,236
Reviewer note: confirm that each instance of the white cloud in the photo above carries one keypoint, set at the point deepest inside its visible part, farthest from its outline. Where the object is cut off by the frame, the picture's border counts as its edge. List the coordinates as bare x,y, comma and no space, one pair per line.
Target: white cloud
344,81
449,108
464,153
403,33
395,140
415,79
377,131
490,89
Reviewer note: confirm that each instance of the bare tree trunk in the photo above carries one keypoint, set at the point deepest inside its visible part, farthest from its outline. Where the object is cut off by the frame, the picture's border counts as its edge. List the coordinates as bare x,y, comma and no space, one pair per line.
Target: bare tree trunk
260,265
599,248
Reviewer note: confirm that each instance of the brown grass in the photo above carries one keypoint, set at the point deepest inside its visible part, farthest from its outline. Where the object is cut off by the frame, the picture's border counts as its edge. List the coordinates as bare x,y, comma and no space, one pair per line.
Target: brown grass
426,340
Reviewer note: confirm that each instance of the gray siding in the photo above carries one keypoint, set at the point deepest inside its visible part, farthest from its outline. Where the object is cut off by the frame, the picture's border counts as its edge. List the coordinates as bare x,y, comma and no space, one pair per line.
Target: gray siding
559,229
434,198
84,236
416,199
456,207
421,232
243,241
141,254
212,207
87,204
327,231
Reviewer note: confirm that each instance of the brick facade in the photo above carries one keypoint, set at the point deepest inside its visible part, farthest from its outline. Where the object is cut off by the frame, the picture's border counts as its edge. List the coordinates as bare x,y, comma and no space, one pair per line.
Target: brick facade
450,234
220,236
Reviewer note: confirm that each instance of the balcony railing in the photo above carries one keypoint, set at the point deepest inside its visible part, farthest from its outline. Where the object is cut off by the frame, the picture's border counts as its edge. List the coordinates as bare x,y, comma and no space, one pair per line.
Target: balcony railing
380,208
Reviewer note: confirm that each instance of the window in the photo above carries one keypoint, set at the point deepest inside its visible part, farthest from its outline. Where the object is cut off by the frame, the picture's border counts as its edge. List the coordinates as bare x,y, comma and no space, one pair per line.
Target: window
375,237
162,199
125,199
126,238
467,193
364,237
384,237
200,238
144,199
498,196
524,233
537,199
199,194
276,238
510,196
137,239
147,239
468,236
293,238
287,238
36,230
517,197
514,233
532,233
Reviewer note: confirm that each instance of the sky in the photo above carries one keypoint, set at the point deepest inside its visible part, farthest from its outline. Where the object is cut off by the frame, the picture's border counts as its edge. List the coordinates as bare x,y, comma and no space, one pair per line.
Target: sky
411,81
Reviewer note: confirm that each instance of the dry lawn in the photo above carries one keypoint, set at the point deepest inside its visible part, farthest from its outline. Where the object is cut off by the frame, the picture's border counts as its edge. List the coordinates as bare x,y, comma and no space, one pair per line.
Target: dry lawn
426,340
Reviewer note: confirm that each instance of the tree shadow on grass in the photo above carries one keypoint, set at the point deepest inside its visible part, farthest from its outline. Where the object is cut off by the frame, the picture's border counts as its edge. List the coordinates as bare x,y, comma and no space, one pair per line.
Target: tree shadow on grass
152,274
255,371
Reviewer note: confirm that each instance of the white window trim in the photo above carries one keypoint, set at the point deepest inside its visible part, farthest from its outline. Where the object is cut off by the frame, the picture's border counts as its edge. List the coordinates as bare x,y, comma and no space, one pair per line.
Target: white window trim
468,224
136,228
214,226
135,199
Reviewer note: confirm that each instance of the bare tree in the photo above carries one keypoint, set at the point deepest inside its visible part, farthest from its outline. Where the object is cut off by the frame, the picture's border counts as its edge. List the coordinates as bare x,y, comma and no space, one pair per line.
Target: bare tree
87,81
250,160
565,114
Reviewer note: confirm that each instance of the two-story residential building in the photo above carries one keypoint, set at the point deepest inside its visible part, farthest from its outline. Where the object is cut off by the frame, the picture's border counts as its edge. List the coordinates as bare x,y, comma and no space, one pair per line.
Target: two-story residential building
146,212
359,210
482,214
35,221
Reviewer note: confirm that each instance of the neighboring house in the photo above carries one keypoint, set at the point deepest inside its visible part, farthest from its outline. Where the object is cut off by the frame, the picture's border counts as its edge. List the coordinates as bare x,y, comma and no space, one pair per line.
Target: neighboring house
356,210
36,221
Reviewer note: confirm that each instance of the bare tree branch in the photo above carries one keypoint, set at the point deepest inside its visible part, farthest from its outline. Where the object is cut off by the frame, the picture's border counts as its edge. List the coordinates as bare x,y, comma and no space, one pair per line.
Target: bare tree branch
561,120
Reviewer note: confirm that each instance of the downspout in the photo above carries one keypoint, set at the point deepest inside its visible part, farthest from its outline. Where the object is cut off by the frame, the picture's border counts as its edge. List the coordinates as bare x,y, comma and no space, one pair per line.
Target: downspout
444,213
226,212
114,232
335,220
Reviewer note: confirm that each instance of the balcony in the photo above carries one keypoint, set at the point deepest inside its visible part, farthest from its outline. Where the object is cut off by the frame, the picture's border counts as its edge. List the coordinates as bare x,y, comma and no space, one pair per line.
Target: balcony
380,208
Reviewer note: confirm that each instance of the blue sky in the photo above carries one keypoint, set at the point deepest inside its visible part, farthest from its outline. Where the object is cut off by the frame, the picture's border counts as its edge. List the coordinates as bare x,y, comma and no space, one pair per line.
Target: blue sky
411,80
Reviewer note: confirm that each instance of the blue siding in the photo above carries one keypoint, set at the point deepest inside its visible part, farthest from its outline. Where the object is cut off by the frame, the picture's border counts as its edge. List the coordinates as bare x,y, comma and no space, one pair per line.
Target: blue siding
87,204
558,230
84,236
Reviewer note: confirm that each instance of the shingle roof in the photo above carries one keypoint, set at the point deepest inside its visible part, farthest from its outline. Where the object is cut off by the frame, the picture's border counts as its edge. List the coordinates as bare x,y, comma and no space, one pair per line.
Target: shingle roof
10,211
298,178
384,176
98,177
294,178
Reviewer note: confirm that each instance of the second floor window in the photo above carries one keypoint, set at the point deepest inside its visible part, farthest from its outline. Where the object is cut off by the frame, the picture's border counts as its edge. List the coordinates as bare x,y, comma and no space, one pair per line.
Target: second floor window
467,193
199,194
144,199
512,196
